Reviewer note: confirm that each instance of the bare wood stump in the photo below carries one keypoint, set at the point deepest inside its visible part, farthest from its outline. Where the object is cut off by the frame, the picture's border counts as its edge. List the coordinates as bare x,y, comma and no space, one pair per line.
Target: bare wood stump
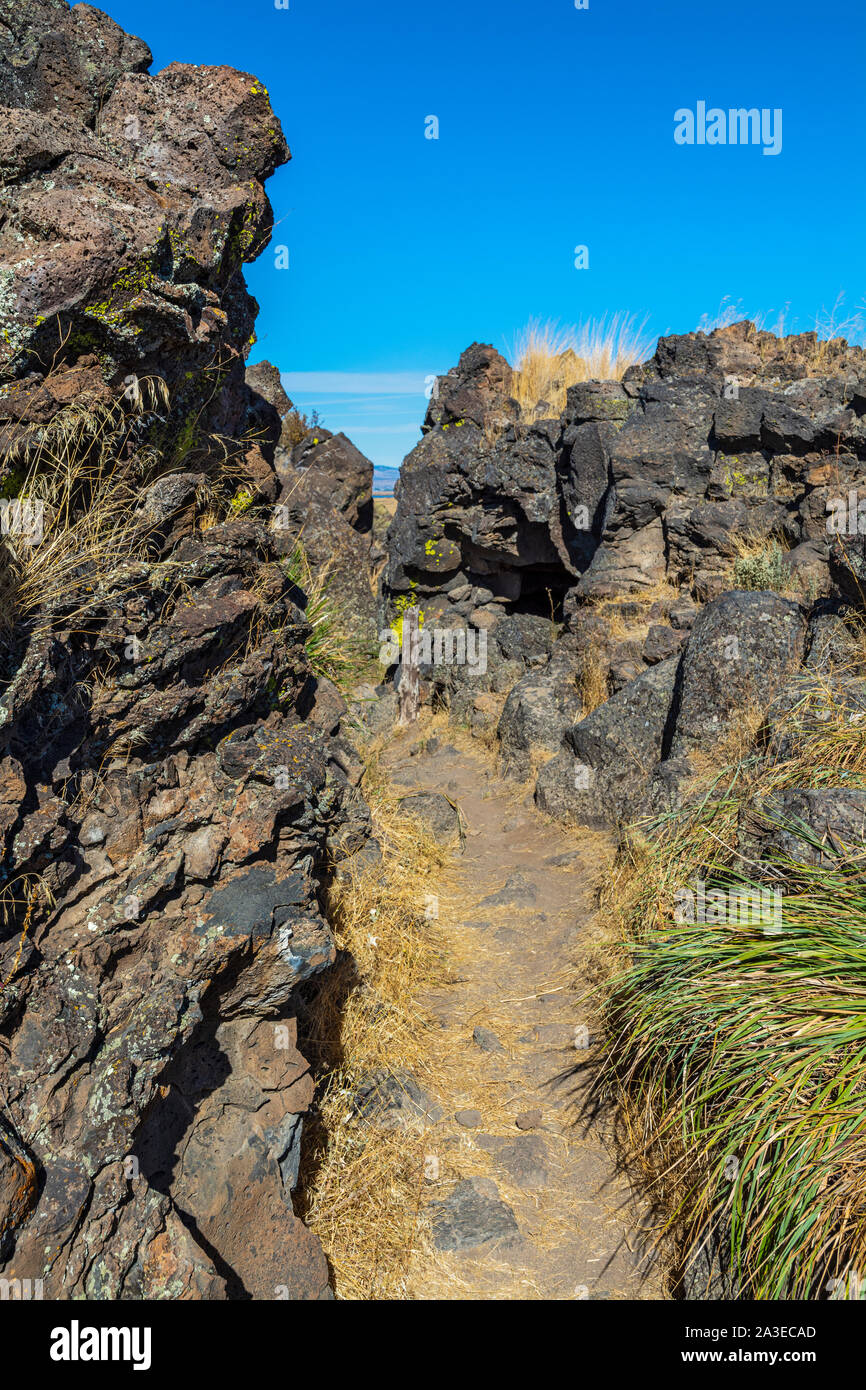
410,669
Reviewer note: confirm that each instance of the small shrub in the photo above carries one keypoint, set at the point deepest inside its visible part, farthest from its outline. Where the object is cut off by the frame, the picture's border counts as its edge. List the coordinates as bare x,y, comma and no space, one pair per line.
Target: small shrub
296,427
763,568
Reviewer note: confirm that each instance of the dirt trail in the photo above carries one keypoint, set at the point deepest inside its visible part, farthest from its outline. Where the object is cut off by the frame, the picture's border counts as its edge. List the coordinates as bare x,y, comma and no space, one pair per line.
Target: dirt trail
516,912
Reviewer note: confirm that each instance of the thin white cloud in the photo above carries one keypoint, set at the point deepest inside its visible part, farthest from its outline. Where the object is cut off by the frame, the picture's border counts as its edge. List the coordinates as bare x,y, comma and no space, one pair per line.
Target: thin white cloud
357,383
382,429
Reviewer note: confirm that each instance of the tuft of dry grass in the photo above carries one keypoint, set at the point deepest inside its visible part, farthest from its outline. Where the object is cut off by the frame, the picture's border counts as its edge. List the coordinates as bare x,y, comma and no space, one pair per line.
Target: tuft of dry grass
73,471
591,681
361,1183
548,359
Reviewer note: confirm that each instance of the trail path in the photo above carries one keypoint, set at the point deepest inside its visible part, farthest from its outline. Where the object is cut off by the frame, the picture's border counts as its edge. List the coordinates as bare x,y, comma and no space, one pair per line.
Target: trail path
517,913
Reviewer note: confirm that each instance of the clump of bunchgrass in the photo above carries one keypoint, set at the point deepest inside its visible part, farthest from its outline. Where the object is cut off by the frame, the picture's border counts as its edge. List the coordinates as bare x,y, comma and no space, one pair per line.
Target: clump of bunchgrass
737,1048
548,359
334,647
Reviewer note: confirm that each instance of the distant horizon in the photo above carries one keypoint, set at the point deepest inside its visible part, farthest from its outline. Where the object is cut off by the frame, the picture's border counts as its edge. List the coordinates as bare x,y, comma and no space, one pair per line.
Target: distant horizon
360,404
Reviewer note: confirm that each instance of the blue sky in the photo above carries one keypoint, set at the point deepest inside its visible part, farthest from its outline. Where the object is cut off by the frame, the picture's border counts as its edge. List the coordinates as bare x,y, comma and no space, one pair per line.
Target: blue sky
555,130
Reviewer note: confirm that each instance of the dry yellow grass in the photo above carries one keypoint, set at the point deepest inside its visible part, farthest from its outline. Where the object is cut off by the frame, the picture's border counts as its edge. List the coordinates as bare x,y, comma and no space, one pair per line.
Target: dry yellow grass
548,359
71,475
360,1185
82,478
591,681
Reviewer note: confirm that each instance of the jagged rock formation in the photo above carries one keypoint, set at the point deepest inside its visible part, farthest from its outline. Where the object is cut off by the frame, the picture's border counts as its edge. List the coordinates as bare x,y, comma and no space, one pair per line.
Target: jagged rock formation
172,785
130,202
327,496
325,501
638,481
620,519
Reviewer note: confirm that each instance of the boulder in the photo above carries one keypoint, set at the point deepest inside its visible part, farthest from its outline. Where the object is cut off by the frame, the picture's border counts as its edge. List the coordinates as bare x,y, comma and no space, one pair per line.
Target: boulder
538,712
741,650
848,568
338,467
818,826
333,548
436,814
600,778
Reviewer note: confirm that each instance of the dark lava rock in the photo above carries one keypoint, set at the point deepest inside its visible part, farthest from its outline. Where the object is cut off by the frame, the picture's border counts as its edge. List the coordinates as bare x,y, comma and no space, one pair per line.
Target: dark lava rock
169,782
742,648
473,1215
816,825
661,643
537,714
435,812
600,779
394,1100
486,1039
126,259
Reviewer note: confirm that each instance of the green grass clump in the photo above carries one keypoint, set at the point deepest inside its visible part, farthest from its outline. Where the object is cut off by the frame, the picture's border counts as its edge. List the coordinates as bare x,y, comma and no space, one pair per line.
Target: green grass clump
738,1052
334,650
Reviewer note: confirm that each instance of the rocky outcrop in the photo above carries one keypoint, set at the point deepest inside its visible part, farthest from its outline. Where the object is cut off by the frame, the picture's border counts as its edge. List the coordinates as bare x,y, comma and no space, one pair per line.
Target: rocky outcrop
727,438
639,481
174,790
166,820
326,501
659,518
130,202
477,499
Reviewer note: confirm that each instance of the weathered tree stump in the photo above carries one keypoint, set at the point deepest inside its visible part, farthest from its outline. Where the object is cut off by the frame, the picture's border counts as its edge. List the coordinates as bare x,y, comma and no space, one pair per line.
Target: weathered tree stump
410,672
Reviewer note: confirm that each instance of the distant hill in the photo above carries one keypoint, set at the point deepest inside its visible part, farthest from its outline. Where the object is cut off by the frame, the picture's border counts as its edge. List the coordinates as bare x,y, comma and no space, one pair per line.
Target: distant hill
384,480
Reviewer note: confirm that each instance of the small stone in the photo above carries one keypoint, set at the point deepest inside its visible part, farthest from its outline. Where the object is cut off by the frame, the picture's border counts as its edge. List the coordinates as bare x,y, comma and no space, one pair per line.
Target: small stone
472,1215
662,642
487,1040
435,812
469,1119
482,618
529,1119
517,891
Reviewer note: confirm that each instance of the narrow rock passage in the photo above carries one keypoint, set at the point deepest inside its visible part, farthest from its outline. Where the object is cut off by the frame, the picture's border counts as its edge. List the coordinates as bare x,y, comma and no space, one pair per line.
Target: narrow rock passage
519,1200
